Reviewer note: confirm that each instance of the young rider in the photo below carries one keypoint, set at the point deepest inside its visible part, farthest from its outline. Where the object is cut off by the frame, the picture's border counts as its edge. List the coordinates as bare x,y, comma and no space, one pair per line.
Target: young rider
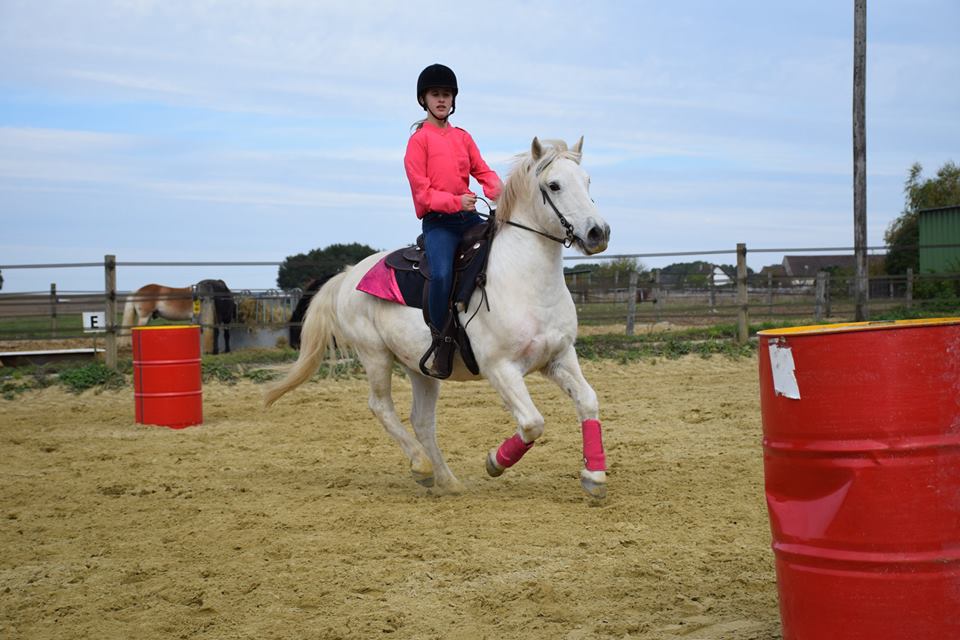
439,161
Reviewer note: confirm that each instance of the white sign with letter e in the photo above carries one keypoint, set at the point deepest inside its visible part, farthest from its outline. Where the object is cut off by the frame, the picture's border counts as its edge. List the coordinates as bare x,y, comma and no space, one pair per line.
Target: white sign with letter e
94,321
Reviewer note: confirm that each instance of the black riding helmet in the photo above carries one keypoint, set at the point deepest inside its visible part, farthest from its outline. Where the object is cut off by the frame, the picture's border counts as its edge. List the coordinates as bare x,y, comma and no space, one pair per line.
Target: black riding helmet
437,76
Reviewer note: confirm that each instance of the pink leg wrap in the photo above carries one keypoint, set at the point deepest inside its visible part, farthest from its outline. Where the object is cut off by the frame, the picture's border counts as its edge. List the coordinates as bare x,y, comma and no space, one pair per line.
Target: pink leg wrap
512,450
593,456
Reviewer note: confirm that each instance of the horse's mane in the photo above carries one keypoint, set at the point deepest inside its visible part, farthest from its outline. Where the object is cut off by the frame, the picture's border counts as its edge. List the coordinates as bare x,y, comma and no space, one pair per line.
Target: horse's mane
517,189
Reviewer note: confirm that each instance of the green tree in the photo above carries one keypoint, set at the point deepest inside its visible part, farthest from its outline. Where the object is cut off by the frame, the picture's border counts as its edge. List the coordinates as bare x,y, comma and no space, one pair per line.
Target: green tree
620,266
903,234
297,271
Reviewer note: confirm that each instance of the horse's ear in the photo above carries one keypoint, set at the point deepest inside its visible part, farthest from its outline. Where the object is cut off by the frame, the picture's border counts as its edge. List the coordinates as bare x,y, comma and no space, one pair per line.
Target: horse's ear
578,148
536,149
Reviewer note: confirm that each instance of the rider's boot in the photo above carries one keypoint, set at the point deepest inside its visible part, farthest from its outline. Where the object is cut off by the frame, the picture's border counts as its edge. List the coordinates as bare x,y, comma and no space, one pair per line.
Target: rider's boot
442,347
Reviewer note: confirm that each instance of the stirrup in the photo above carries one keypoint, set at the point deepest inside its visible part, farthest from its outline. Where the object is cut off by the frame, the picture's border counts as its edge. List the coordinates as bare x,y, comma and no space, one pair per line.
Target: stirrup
442,349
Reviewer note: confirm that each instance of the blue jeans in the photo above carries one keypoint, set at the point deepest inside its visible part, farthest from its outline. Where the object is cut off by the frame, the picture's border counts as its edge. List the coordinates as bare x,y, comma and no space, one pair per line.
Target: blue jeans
442,233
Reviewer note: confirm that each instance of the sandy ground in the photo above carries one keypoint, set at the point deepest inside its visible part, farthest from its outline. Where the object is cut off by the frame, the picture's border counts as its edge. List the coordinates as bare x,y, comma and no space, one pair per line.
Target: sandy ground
303,521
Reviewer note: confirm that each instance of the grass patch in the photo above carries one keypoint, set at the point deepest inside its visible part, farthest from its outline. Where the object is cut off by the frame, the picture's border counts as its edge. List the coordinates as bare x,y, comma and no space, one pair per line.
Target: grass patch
624,348
90,376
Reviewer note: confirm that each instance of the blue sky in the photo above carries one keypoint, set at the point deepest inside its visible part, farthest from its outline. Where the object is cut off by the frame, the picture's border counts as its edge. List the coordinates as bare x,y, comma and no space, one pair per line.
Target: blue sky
258,129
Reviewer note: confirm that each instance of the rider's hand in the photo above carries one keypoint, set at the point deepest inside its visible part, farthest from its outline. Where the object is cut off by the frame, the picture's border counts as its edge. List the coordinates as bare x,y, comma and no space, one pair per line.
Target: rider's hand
468,202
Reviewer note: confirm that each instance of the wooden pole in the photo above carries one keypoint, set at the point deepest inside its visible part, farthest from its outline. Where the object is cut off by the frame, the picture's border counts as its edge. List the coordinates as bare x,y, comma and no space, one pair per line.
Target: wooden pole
743,329
632,302
713,294
827,298
909,292
860,158
110,293
821,298
658,301
770,293
53,309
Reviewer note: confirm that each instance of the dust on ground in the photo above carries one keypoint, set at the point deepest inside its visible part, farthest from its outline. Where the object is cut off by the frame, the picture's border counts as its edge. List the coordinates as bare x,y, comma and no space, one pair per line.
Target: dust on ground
303,521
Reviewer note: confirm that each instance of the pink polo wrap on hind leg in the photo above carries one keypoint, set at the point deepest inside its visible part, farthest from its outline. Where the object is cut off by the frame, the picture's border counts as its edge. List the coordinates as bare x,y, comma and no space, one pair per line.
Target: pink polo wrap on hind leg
512,450
593,456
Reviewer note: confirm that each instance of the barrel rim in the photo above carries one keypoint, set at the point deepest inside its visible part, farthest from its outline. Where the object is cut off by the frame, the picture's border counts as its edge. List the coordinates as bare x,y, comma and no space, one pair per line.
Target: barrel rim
846,327
167,326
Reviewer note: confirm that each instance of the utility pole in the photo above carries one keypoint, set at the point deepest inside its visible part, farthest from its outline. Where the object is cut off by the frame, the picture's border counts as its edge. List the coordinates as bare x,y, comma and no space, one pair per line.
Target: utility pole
860,158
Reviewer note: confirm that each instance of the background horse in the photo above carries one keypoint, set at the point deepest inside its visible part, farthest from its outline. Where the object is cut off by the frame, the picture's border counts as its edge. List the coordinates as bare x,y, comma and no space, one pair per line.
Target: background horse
176,303
157,301
529,325
217,294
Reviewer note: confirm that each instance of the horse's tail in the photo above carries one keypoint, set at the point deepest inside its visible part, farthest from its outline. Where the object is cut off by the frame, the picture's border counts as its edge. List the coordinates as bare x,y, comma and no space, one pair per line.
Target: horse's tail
320,332
129,312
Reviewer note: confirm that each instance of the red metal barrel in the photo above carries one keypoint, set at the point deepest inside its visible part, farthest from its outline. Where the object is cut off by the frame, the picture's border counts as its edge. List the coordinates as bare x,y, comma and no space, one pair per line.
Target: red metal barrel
166,375
861,426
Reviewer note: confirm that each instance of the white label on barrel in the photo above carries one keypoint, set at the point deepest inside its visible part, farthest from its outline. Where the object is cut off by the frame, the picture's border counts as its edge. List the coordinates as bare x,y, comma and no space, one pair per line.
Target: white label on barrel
781,363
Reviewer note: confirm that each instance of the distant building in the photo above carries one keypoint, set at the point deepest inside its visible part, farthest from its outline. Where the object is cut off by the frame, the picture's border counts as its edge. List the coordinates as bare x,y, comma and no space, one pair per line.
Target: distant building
803,270
940,226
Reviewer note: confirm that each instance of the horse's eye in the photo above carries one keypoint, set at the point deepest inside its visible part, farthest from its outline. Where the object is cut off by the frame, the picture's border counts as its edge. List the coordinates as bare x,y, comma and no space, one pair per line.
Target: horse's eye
554,186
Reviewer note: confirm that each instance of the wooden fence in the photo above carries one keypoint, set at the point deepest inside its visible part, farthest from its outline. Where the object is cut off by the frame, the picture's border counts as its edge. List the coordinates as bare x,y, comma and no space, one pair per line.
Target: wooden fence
646,299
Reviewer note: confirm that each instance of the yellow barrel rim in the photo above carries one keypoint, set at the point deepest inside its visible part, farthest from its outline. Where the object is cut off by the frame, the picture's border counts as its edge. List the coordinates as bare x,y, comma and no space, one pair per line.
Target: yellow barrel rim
858,326
167,326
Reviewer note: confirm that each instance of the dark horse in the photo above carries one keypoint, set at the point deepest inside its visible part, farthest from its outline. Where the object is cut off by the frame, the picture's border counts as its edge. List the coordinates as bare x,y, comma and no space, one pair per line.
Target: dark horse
224,307
296,320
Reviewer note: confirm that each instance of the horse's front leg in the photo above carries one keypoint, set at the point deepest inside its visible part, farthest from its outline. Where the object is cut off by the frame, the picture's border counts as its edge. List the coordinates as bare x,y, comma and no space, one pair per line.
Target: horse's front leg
507,379
565,371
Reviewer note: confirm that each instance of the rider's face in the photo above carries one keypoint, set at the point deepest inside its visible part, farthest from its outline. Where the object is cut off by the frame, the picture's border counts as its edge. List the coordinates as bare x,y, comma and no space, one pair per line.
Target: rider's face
439,102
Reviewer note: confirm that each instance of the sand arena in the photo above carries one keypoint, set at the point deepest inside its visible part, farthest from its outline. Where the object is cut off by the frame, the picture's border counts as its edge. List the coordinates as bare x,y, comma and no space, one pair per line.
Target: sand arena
303,521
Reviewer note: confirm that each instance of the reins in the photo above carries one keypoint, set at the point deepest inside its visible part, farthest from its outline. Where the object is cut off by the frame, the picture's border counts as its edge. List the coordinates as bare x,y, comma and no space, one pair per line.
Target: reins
567,241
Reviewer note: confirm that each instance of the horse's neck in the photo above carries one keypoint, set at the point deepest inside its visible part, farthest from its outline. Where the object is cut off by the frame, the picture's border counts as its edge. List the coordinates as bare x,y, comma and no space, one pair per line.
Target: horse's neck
525,260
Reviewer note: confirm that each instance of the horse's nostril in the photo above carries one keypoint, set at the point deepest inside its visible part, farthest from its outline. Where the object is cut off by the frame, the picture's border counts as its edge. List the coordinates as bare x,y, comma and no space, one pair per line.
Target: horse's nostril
595,235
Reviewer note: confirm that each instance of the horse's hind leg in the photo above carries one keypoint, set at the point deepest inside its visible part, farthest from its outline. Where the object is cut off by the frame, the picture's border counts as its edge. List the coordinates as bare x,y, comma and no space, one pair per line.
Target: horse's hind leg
379,368
423,416
565,372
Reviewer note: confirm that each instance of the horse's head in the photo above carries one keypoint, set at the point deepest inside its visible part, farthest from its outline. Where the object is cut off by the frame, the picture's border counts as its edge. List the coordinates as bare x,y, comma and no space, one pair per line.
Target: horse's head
556,191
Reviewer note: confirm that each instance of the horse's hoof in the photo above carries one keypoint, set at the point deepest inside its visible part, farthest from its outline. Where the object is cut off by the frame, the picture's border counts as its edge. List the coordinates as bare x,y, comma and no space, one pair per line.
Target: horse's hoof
423,480
493,469
450,488
594,483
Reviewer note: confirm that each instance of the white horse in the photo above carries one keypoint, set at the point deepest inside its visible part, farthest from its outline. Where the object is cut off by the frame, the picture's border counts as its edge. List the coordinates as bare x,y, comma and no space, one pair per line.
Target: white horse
530,324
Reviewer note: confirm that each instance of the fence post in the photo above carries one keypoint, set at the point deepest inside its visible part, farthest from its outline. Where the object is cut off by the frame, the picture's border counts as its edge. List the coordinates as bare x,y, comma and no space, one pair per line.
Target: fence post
53,309
632,302
770,293
909,287
110,293
743,330
658,301
713,294
821,298
828,299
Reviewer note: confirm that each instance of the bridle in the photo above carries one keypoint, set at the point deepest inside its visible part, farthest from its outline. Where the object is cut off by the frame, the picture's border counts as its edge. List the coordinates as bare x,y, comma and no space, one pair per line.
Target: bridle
567,241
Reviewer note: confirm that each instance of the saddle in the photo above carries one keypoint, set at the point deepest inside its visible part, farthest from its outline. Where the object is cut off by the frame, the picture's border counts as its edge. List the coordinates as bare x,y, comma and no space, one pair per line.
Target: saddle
411,267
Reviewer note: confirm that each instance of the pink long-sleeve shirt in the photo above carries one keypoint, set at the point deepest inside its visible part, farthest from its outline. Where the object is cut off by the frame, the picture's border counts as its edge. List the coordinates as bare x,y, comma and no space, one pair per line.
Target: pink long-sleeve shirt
439,163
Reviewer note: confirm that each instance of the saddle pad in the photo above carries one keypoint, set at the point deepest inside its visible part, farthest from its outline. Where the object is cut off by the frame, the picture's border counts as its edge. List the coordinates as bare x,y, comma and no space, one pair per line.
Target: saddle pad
381,281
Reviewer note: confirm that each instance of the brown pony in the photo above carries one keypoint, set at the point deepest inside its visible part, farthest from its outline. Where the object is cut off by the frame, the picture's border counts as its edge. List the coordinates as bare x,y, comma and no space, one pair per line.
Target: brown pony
157,301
